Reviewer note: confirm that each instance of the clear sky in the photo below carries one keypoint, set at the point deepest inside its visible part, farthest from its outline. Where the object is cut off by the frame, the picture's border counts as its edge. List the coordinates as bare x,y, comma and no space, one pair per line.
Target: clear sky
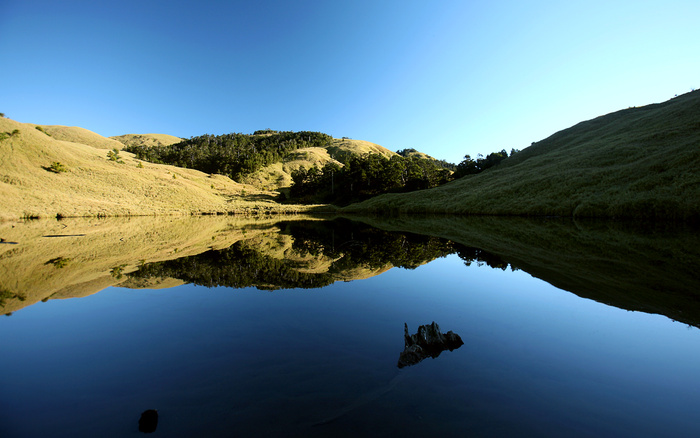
448,78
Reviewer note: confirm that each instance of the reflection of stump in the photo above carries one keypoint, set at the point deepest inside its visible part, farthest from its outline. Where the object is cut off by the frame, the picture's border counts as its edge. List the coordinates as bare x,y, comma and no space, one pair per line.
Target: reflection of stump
148,421
427,342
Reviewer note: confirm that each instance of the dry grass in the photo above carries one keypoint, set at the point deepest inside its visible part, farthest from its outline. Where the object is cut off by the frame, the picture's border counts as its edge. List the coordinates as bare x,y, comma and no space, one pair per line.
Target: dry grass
75,134
95,186
341,149
146,139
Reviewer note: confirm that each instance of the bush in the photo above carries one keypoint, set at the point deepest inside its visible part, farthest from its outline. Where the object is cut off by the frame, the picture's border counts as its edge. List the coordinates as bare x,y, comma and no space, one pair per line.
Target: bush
56,167
113,155
40,129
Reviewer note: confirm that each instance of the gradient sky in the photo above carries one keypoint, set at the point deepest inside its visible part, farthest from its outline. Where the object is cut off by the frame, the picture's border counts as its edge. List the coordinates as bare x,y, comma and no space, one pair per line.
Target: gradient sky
448,78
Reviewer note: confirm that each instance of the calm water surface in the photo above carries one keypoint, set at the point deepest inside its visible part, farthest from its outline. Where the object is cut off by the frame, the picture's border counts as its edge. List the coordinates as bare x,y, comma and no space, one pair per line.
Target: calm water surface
222,361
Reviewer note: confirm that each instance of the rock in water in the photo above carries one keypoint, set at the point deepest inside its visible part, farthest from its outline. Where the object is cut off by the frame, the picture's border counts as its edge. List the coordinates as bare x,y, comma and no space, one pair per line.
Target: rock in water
427,342
148,421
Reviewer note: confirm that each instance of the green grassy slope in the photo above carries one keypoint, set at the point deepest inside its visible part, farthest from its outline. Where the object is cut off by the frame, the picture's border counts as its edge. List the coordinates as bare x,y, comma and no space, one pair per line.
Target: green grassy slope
638,162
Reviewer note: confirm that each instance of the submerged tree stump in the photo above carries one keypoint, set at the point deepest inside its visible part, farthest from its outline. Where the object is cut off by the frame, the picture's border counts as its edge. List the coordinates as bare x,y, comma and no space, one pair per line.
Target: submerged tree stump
427,342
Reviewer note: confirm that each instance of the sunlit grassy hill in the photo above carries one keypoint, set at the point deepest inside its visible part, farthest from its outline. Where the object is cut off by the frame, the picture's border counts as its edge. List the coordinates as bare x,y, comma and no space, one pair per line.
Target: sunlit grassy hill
50,171
146,139
638,162
279,175
75,134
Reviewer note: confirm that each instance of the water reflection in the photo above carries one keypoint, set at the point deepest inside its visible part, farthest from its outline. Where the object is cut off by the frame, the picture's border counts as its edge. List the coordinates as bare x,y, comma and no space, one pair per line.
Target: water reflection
302,255
653,269
536,361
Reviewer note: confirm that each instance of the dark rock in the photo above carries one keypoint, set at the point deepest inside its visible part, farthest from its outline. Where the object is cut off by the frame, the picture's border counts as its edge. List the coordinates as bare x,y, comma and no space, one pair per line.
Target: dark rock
148,421
427,342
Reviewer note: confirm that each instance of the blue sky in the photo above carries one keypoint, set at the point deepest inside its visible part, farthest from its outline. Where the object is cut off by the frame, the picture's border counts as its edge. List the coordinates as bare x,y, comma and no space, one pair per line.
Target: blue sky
448,78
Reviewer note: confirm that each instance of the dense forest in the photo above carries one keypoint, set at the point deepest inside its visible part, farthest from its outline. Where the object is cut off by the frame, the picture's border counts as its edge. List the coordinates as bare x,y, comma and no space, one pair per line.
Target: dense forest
365,176
233,154
351,244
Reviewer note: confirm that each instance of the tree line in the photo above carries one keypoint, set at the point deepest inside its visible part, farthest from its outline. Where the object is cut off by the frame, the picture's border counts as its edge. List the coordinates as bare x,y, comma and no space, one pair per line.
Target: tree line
363,177
469,166
370,175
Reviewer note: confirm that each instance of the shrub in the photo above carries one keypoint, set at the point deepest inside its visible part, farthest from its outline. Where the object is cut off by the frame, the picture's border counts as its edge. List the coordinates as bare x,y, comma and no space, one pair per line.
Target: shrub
140,165
113,155
40,129
116,272
56,167
59,262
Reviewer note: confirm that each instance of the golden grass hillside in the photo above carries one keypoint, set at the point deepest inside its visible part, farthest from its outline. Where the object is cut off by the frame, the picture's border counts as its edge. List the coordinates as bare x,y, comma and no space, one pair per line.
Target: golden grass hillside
85,183
75,134
146,139
279,175
342,149
640,162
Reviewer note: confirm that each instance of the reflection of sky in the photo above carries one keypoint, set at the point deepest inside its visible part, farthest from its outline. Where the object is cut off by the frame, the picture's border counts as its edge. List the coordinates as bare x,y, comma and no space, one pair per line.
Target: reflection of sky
530,350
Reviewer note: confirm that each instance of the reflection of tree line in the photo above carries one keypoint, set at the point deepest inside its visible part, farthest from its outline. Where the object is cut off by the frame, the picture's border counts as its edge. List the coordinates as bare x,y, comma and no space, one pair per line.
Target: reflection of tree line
351,245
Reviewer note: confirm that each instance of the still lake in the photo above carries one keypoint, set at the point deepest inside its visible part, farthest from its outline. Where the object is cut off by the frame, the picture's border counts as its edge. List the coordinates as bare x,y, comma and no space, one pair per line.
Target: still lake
295,329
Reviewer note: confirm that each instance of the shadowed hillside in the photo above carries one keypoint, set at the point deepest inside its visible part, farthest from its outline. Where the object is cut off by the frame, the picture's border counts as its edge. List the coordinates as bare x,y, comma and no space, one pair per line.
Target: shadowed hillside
639,162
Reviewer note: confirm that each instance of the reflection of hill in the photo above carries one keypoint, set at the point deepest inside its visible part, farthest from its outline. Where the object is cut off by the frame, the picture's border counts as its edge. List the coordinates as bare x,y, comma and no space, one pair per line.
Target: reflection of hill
93,254
654,268
302,255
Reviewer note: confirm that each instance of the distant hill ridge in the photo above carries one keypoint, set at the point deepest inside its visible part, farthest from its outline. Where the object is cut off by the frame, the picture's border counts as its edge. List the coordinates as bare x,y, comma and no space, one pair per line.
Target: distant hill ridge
146,139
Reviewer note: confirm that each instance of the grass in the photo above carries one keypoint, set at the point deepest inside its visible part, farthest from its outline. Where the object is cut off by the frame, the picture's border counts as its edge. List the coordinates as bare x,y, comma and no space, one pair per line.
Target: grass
641,162
78,135
146,139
